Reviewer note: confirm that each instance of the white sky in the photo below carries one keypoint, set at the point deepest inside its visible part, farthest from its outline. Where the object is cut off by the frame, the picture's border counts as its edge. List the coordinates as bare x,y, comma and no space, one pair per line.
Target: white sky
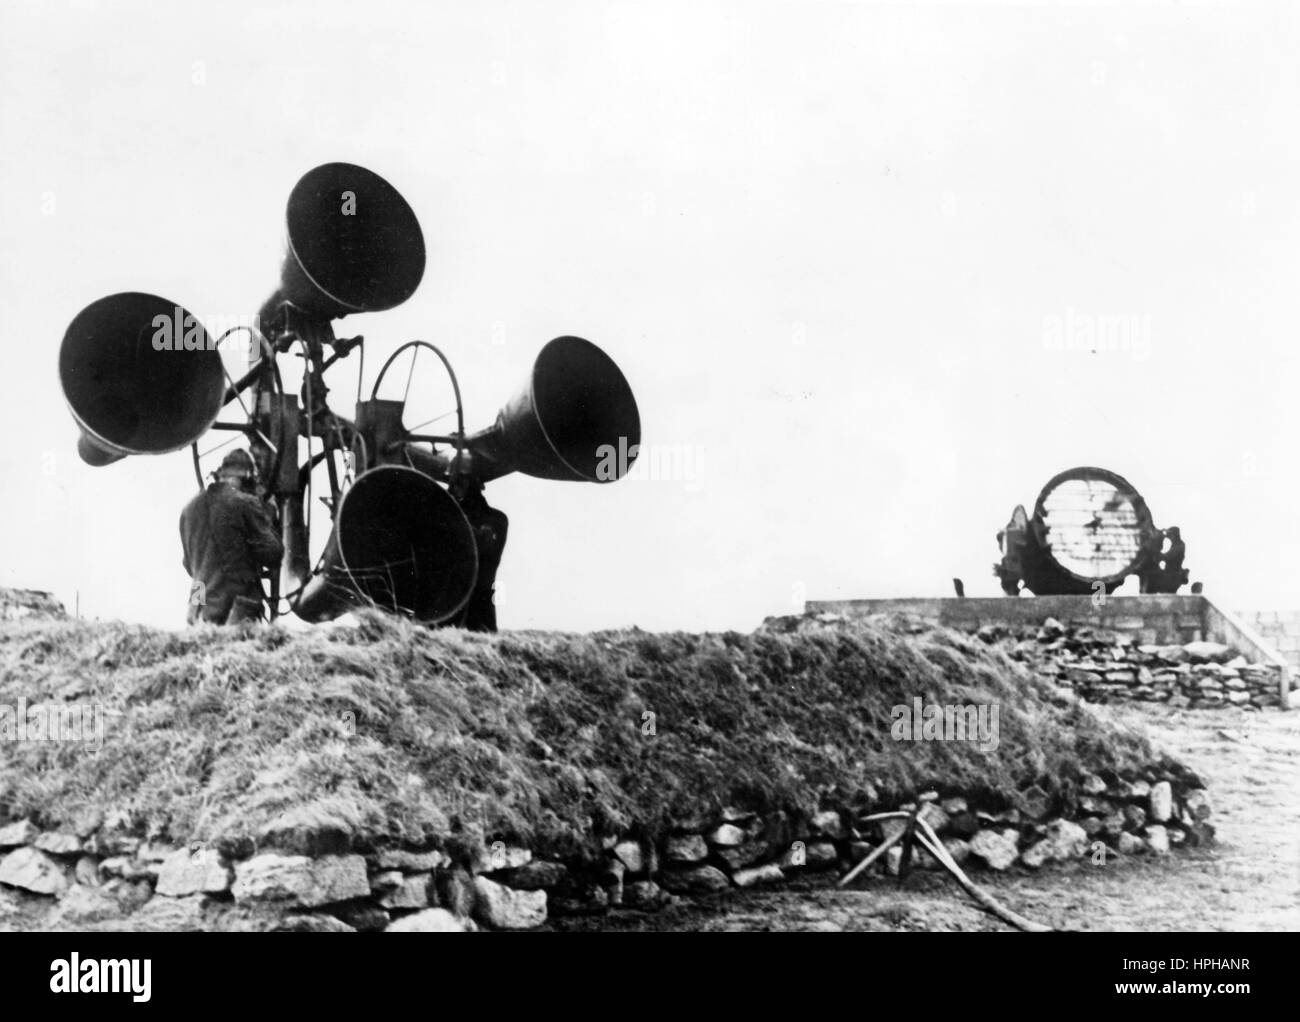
825,241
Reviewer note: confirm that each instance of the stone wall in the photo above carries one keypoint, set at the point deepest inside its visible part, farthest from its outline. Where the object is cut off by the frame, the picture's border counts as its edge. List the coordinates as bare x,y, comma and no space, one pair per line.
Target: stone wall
101,877
1103,666
1141,620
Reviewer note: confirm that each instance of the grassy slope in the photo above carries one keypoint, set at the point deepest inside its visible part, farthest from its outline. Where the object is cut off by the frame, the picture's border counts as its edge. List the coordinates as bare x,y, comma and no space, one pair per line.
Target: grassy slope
223,736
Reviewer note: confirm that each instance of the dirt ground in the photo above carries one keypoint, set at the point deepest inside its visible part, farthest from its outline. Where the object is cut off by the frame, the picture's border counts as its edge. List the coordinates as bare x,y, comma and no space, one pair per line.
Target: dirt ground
1249,880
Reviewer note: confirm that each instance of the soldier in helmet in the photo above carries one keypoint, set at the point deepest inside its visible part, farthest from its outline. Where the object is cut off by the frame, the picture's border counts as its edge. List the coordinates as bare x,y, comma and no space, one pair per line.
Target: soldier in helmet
228,537
490,527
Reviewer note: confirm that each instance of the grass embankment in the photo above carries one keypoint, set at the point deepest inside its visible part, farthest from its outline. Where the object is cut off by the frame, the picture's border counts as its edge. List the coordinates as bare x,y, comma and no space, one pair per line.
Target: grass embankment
389,732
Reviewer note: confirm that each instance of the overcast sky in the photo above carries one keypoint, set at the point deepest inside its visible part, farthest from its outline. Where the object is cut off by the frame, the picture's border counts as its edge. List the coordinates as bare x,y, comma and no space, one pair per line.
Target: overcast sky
848,255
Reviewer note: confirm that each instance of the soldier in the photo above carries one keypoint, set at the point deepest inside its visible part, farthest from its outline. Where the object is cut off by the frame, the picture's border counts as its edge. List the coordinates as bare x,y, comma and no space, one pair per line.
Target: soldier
1165,572
490,527
1150,577
1175,574
228,536
1176,553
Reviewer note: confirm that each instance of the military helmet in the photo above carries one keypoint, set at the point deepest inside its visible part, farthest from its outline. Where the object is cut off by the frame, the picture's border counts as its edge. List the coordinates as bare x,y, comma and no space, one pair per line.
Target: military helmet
237,464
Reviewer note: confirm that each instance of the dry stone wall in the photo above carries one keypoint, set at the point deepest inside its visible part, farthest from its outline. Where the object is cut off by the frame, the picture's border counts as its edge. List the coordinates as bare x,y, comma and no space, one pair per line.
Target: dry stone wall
99,876
1106,666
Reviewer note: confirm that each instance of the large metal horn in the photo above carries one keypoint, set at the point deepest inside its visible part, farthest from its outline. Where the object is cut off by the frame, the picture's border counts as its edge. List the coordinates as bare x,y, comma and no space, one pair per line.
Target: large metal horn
354,244
575,419
140,375
400,543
